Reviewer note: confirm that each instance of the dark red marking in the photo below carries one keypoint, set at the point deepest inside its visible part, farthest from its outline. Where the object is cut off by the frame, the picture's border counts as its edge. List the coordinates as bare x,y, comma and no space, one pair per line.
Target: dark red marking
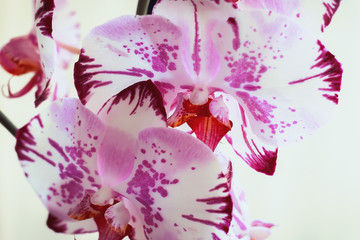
59,149
332,73
45,16
24,139
56,224
261,162
146,91
331,8
146,182
225,207
235,27
196,51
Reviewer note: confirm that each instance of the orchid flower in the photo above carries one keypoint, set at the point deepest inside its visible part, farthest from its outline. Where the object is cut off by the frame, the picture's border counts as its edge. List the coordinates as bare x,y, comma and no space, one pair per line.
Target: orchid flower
46,51
123,172
272,80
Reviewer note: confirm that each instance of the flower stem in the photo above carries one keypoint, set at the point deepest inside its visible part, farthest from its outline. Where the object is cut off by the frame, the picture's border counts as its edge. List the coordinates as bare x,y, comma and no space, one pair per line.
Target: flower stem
8,124
151,6
142,7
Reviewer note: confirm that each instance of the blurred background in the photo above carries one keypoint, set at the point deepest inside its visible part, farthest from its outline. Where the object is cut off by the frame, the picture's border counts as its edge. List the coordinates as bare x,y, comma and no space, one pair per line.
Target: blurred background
314,193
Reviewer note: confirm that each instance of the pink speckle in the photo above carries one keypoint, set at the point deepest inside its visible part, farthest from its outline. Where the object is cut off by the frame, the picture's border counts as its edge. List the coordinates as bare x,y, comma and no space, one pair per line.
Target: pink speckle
172,66
261,110
244,70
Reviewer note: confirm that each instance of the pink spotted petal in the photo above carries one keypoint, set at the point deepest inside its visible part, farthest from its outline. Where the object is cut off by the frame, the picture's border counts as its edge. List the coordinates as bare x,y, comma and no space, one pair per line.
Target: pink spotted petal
58,152
199,54
312,14
281,76
47,46
135,108
127,50
70,226
167,187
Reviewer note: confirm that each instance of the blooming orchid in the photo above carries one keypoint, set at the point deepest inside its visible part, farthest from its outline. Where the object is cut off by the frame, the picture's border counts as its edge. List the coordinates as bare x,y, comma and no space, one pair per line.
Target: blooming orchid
269,79
46,51
122,172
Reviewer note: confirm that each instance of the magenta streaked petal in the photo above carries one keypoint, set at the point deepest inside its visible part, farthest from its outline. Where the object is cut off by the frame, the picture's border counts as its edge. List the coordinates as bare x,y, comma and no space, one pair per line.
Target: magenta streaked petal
258,154
277,65
167,187
127,50
70,226
58,152
135,108
44,10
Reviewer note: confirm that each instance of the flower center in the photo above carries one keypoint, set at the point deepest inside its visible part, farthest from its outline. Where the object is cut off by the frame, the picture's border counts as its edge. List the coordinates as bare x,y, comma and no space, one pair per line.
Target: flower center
103,196
199,96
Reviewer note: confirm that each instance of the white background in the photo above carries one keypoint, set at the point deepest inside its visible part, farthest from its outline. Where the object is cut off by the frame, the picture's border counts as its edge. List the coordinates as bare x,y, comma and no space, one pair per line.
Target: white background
314,194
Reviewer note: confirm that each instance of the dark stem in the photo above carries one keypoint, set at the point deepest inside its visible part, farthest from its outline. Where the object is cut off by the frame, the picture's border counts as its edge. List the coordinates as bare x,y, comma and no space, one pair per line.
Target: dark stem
8,124
151,6
142,7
